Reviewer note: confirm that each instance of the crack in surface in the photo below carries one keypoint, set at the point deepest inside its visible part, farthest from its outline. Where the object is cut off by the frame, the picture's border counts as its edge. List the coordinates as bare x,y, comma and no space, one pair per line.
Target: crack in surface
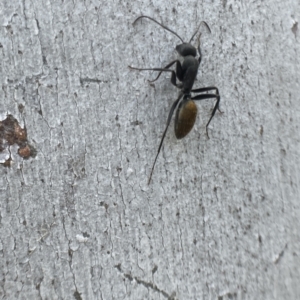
280,255
148,285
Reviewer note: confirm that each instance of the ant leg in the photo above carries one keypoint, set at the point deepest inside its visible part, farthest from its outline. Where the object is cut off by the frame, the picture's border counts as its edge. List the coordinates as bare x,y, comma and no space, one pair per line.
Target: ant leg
205,89
209,96
173,77
201,90
200,56
179,72
164,134
199,50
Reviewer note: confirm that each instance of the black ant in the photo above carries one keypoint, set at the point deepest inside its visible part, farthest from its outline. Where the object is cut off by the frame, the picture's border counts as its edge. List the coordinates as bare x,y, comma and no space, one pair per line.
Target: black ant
186,73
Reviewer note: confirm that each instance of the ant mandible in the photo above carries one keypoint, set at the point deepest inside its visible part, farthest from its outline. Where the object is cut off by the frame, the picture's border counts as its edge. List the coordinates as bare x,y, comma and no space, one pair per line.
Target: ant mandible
186,73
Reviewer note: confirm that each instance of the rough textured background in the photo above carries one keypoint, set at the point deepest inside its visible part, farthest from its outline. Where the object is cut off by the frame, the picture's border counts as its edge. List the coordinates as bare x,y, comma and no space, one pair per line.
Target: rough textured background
221,217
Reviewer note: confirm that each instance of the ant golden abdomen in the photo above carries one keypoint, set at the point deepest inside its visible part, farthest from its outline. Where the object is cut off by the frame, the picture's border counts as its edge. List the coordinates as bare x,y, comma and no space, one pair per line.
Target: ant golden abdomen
185,118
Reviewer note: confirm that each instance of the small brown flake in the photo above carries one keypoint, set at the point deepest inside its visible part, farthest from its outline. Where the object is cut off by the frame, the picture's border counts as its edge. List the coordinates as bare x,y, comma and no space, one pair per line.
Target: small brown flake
25,152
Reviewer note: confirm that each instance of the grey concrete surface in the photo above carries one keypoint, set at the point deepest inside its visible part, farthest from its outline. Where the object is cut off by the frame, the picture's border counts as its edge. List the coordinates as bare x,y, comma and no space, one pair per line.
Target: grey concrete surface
220,219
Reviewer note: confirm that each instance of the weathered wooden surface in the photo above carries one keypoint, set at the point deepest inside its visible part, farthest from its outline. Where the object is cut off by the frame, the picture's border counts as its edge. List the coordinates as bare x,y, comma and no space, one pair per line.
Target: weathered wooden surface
220,219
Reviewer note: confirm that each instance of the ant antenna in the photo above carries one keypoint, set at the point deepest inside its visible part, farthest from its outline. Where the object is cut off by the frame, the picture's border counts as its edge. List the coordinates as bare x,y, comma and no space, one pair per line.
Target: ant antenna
202,22
163,26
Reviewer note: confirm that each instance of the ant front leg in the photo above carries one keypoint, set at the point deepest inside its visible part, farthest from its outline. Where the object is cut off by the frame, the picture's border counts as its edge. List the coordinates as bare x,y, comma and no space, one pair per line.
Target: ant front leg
208,96
178,73
199,50
200,55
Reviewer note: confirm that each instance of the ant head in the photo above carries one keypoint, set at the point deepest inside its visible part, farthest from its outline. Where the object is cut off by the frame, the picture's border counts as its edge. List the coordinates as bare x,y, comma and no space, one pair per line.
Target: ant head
186,49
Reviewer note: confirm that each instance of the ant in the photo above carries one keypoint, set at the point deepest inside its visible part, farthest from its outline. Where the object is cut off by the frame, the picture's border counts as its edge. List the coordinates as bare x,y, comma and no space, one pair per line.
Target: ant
186,73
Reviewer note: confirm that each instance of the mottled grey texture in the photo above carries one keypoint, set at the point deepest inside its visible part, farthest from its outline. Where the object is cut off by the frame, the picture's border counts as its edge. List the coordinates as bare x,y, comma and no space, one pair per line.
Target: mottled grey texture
220,219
